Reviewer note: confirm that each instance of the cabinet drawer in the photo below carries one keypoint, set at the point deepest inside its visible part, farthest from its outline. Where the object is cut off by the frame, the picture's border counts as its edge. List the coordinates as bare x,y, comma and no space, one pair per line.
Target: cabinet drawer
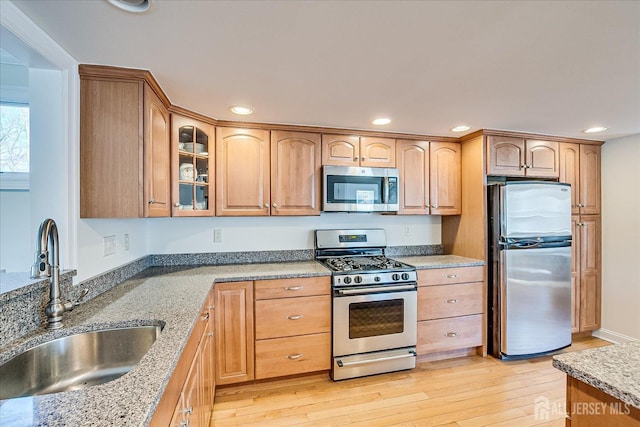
449,334
443,276
436,302
293,355
292,316
289,288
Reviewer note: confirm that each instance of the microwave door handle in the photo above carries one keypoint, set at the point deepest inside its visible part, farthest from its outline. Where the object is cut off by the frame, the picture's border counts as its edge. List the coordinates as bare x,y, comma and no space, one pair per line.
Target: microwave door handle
385,190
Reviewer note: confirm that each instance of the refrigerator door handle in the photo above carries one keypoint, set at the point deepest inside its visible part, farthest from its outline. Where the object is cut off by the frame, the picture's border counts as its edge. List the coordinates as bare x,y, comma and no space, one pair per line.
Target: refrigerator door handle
527,244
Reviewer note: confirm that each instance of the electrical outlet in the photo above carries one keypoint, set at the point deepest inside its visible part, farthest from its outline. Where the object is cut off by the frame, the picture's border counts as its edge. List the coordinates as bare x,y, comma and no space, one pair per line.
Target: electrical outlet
217,235
126,241
407,231
109,245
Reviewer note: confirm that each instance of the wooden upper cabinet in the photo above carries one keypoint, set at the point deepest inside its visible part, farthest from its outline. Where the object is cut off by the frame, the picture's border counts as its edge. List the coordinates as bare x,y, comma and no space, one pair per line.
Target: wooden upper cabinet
589,202
429,177
242,172
192,166
505,156
580,167
444,181
157,156
570,172
413,167
340,150
542,158
377,152
124,145
513,156
296,173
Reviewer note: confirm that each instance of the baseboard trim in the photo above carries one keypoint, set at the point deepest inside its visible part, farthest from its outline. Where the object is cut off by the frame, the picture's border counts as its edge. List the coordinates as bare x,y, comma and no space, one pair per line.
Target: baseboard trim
612,336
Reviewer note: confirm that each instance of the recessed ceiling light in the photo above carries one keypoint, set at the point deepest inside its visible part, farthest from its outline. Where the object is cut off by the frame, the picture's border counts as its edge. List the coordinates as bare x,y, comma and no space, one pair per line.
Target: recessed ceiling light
241,110
460,128
135,6
595,129
381,121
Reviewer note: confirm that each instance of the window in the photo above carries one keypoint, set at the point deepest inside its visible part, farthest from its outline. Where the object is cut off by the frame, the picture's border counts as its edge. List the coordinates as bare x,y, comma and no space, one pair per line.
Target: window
14,145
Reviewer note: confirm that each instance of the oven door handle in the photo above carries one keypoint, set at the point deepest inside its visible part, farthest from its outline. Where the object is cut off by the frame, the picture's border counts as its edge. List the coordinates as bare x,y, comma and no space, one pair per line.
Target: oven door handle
410,353
370,289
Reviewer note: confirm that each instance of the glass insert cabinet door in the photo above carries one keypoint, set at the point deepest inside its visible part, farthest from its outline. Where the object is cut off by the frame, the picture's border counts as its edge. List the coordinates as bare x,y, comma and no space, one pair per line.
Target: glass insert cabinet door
192,147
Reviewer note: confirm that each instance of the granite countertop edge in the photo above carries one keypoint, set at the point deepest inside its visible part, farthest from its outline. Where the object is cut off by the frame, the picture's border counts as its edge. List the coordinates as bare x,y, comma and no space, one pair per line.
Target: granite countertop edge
150,299
614,370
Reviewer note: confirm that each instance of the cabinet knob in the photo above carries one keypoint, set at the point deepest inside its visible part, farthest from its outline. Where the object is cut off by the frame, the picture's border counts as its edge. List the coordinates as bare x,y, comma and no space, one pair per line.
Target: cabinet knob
205,316
275,206
363,158
355,159
188,410
152,201
434,206
176,204
266,205
451,334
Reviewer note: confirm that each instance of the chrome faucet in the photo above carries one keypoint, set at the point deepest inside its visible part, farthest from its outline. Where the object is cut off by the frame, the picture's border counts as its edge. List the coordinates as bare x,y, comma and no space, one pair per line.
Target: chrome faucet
48,241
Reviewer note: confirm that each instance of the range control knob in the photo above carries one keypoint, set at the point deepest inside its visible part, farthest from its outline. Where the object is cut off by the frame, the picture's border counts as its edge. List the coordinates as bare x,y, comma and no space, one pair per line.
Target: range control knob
405,276
377,279
347,280
357,279
395,276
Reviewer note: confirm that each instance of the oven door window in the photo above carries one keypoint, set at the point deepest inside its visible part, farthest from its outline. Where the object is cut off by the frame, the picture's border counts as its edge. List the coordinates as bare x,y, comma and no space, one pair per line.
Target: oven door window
354,189
375,318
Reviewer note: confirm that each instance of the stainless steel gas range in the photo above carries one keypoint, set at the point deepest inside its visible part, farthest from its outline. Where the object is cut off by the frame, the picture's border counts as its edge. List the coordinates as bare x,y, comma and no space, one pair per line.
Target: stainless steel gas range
374,308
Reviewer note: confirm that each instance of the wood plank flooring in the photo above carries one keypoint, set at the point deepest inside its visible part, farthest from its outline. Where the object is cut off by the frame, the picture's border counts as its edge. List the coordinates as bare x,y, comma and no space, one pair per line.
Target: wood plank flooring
463,392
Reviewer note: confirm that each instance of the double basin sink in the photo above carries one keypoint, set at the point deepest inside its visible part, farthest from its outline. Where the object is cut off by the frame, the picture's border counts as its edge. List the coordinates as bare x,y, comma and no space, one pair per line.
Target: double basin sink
76,361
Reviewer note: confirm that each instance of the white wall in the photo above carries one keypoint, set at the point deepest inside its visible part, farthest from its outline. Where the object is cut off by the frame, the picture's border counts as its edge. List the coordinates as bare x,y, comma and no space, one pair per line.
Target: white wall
195,235
15,246
621,239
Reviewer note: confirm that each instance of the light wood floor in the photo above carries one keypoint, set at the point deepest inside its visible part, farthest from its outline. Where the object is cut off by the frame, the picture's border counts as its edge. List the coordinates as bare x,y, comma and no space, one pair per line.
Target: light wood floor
464,392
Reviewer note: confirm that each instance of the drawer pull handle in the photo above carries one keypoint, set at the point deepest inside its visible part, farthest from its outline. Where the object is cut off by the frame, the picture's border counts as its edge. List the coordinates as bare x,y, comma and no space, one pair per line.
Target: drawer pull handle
452,301
295,317
451,334
294,356
451,276
294,288
205,316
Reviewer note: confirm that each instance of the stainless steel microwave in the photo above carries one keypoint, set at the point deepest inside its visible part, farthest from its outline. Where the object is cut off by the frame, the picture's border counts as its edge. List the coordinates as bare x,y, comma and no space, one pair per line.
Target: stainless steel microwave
356,189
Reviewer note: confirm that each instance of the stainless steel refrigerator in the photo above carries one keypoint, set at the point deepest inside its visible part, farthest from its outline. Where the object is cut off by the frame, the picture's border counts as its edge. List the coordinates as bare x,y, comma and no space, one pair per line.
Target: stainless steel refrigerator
530,268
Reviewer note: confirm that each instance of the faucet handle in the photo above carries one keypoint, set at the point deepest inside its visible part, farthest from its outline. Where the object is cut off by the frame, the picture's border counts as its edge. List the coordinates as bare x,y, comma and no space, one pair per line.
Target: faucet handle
84,293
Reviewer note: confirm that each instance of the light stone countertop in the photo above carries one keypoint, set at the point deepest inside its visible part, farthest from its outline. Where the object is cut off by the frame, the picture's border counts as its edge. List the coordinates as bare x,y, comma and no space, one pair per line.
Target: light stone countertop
169,296
160,295
439,261
613,369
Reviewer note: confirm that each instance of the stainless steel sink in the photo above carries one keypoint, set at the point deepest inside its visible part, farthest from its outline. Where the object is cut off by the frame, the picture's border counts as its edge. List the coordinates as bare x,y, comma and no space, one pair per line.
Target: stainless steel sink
76,361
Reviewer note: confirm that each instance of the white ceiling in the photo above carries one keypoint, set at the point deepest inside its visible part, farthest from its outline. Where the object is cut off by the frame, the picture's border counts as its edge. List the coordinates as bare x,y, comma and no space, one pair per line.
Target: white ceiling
550,67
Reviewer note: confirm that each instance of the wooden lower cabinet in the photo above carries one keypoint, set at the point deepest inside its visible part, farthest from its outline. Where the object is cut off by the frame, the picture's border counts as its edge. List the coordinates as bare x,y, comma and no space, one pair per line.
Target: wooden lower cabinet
293,326
589,407
188,397
234,332
450,309
293,355
586,274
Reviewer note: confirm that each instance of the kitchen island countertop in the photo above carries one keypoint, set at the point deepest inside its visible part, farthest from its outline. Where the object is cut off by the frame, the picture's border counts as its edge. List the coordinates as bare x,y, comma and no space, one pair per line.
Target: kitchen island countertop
613,369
